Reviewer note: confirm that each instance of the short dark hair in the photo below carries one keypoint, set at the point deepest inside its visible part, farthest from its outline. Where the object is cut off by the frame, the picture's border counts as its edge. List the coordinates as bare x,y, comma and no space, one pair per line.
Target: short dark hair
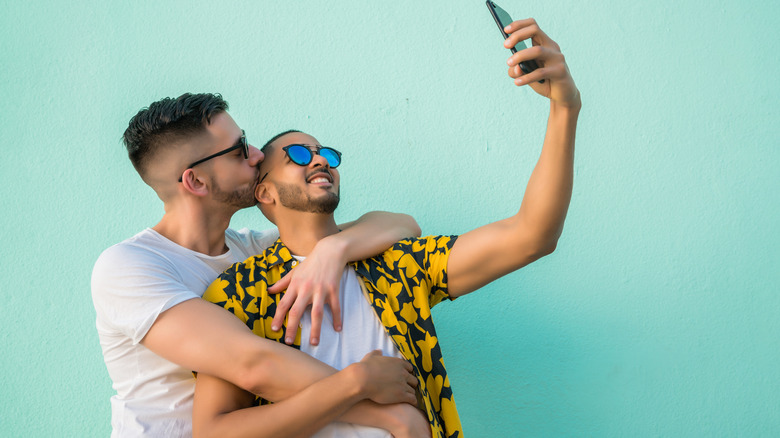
266,149
167,122
267,145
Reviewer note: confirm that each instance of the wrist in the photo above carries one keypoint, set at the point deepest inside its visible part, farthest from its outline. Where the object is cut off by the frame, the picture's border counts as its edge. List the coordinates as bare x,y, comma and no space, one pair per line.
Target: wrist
335,246
571,106
357,381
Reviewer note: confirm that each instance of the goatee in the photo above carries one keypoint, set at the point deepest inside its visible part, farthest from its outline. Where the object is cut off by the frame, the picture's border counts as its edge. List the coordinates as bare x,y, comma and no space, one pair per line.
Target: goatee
292,197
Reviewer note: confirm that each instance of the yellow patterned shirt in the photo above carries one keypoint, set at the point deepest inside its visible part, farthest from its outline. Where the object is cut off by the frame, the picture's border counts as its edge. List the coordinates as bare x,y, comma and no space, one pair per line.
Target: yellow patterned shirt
402,284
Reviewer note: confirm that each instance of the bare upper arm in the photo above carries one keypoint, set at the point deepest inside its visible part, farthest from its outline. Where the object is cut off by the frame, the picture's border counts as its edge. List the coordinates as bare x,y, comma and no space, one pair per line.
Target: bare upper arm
206,338
490,252
202,337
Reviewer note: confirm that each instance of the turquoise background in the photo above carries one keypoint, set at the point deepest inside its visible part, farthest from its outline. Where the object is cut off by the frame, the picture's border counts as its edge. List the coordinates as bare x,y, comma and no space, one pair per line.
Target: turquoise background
658,315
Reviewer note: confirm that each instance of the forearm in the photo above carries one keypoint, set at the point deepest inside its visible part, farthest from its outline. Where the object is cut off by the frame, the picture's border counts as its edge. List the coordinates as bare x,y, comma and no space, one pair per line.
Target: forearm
362,412
548,193
223,409
373,233
216,413
278,372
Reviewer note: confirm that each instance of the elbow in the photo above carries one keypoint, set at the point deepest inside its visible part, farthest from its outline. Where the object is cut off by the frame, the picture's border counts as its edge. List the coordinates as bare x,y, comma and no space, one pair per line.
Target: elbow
549,248
542,248
412,227
546,242
415,229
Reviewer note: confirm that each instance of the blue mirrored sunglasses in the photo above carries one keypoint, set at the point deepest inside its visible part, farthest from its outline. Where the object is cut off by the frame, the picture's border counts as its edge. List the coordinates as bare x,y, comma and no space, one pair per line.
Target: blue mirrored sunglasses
302,155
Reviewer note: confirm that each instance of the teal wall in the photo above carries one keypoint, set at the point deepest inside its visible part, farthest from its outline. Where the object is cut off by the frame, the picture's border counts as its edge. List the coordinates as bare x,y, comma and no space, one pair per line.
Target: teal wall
658,315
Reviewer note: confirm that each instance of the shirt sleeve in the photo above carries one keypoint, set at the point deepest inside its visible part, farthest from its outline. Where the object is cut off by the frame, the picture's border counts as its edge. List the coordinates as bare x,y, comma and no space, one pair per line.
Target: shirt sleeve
430,255
131,288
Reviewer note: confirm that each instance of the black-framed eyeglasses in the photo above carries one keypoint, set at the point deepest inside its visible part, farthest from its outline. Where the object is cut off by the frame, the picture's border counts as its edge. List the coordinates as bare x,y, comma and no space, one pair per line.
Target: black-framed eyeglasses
302,155
240,144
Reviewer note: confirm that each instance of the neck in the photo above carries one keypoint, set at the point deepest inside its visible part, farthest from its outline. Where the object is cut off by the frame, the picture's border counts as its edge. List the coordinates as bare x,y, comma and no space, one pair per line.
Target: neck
300,231
196,227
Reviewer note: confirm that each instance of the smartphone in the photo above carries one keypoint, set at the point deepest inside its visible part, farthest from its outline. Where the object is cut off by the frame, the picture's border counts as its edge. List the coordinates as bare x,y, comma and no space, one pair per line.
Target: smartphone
503,20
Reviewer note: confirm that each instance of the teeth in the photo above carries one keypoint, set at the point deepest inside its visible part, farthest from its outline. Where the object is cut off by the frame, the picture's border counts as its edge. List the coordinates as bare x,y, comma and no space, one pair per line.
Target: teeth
319,180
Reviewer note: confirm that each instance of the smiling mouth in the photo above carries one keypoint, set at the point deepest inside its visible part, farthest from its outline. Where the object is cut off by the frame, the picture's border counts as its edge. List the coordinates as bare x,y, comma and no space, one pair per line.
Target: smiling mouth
320,178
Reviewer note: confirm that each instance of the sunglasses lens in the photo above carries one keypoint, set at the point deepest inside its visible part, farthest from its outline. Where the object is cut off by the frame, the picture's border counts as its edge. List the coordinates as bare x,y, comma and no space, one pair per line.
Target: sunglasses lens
300,155
331,156
244,145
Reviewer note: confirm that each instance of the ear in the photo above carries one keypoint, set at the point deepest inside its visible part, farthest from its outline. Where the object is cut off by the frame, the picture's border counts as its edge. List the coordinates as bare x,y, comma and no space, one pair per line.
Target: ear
194,184
264,194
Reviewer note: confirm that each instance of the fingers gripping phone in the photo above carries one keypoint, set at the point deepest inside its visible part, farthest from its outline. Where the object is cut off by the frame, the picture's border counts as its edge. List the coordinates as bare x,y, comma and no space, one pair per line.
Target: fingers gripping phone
503,20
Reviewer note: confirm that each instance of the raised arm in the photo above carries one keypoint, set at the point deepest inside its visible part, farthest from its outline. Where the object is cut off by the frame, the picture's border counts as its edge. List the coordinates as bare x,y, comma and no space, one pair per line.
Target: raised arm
316,280
489,252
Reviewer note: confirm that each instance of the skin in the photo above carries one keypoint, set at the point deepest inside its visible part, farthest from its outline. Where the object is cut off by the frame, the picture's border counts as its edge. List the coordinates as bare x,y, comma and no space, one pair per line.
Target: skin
477,257
200,336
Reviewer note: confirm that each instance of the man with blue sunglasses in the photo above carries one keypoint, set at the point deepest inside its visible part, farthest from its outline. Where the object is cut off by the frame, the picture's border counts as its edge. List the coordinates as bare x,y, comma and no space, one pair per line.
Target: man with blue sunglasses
386,299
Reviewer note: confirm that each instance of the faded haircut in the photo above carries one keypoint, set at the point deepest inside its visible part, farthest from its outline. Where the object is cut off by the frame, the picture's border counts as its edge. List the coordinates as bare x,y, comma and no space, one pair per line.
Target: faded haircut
168,122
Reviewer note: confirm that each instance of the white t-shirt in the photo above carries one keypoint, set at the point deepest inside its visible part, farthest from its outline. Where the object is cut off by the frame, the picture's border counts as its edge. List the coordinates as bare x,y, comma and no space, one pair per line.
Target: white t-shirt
361,333
133,282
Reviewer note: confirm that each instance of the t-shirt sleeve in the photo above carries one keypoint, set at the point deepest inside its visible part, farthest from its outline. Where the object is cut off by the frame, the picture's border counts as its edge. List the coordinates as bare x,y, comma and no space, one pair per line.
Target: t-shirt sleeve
430,255
131,288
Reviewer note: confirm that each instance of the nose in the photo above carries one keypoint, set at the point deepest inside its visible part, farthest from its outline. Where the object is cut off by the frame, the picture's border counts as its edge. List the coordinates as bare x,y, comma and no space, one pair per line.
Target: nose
318,160
256,156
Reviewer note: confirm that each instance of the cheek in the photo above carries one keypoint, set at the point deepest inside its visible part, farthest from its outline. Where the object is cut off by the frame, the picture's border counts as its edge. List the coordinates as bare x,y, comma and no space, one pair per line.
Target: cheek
237,170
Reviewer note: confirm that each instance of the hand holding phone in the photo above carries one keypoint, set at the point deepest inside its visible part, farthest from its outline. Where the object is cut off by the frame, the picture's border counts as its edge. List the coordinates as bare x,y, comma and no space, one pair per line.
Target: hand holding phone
503,20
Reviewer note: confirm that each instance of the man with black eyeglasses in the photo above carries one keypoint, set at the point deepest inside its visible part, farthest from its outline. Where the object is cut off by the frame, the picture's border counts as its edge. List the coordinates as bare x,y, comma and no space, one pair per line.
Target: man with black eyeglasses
386,299
153,327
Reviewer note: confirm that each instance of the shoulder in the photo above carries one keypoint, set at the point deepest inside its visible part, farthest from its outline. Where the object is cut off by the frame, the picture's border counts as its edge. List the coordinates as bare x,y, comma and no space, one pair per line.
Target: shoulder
146,259
423,245
420,251
250,241
135,280
143,248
